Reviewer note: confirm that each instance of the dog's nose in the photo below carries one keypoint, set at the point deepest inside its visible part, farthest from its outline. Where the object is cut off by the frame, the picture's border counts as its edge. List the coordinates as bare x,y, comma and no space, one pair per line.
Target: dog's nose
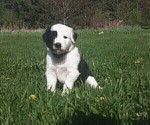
58,45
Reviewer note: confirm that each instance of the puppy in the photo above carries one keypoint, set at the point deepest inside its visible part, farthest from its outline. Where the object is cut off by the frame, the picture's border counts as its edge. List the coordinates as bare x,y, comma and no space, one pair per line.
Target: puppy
63,61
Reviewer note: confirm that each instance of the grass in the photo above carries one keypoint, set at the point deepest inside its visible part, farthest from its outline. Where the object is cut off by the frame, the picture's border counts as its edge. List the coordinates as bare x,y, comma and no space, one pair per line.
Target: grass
118,57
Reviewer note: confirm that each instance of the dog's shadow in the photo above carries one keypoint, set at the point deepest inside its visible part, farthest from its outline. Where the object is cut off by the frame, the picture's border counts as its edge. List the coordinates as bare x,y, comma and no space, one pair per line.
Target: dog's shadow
80,118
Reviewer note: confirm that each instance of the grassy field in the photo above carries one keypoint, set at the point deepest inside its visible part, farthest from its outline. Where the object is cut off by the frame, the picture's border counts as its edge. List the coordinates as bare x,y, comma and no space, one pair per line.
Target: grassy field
118,57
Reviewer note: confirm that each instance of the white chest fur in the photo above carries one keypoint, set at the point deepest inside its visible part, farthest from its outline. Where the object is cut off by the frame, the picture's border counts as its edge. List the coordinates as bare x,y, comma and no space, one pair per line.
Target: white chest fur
62,73
62,67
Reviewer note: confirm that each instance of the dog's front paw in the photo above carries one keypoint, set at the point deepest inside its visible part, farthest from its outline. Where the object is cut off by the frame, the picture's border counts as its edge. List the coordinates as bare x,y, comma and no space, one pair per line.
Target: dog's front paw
65,89
51,87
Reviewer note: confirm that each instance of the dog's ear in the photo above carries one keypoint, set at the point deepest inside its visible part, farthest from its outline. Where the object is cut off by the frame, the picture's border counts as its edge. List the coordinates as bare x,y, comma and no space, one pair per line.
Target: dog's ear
46,35
75,36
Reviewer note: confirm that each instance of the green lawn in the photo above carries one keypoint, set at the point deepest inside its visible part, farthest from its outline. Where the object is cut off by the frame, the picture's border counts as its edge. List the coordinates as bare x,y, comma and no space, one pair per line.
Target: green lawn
118,57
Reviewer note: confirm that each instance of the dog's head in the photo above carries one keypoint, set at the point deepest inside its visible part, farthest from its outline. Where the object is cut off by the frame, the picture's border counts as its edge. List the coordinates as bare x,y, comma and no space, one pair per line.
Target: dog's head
60,39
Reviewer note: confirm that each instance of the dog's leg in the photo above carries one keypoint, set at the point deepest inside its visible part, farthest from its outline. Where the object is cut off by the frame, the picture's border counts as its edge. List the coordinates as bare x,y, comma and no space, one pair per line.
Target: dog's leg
69,82
91,81
51,80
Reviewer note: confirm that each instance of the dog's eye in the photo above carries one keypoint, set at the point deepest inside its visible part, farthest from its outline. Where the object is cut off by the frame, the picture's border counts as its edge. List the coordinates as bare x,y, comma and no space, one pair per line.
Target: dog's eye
65,37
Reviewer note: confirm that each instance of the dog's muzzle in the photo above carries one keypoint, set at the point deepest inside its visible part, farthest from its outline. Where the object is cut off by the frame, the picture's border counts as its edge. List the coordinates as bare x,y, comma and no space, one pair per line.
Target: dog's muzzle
57,45
57,49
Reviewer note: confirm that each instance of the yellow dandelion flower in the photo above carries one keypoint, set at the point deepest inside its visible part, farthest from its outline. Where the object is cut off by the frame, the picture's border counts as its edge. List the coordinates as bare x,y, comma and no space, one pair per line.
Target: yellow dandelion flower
102,98
32,97
138,61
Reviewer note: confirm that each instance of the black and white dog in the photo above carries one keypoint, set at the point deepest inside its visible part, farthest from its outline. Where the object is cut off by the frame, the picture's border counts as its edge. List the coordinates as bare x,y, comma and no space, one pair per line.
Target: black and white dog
63,61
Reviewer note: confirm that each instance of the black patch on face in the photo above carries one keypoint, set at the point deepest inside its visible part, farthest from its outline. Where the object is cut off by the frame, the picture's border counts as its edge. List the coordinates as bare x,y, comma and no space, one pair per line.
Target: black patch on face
49,37
84,70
